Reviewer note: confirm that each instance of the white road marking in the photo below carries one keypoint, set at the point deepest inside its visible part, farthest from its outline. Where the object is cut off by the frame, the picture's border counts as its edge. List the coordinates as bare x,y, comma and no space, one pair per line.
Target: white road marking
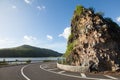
52,69
73,75
61,72
111,77
83,75
23,73
45,66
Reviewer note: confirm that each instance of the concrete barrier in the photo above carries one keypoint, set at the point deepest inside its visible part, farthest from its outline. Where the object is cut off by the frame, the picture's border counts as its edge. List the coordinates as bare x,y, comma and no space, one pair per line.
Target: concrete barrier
73,68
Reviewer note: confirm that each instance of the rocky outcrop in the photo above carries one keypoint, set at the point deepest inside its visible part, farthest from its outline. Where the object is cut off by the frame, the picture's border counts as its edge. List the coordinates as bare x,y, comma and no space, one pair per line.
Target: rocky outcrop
94,41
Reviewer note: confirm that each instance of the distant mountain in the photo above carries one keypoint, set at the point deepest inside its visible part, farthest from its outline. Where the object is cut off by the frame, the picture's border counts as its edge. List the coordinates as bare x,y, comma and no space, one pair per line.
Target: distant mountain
28,51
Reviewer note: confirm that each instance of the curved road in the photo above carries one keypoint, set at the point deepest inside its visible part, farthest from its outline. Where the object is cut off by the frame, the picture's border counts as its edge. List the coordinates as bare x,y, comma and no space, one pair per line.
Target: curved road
40,71
32,71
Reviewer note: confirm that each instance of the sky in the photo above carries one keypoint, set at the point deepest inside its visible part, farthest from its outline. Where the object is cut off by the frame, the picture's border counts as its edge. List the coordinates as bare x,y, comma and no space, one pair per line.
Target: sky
45,23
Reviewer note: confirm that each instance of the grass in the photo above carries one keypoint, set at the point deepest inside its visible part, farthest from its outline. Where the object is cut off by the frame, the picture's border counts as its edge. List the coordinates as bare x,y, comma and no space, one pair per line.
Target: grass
70,47
71,37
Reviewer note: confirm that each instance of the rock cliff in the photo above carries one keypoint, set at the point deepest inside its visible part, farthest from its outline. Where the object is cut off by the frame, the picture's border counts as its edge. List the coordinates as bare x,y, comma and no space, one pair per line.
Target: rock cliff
94,41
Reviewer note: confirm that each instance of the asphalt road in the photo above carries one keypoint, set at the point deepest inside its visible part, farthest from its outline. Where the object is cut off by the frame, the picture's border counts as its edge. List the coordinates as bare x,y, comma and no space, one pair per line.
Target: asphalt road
31,72
41,71
11,73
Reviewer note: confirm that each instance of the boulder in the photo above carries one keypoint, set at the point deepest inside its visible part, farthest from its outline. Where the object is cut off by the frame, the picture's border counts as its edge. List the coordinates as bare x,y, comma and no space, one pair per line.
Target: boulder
94,39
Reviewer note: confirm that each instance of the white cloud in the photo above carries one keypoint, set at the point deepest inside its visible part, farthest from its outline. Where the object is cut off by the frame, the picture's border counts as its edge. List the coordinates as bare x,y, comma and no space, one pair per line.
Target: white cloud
49,37
41,7
29,38
28,1
66,33
14,7
118,19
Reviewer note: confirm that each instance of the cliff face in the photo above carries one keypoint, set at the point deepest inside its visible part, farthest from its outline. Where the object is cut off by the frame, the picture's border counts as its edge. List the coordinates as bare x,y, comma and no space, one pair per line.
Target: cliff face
94,41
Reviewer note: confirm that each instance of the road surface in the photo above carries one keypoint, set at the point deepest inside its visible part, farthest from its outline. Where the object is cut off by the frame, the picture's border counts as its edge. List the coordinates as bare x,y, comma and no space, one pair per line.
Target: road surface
46,71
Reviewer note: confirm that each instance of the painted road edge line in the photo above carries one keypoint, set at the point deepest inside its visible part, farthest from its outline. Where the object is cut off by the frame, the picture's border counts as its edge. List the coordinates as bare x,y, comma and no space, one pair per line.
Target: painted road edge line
83,75
111,77
23,73
52,69
61,72
73,75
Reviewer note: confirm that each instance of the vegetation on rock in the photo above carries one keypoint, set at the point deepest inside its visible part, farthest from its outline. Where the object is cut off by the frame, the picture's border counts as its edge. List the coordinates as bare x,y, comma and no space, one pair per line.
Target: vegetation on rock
69,49
79,9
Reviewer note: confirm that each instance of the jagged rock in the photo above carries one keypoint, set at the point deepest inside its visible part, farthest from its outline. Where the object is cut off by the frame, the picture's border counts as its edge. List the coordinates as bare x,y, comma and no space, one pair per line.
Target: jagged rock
94,39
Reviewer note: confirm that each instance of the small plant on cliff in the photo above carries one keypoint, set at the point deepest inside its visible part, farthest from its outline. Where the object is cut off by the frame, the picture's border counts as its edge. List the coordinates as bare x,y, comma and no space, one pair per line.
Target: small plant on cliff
79,9
70,37
70,47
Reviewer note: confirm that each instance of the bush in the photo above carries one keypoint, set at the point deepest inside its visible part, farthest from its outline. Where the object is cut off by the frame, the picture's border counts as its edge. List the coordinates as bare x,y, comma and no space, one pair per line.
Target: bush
61,60
70,38
70,47
79,9
28,61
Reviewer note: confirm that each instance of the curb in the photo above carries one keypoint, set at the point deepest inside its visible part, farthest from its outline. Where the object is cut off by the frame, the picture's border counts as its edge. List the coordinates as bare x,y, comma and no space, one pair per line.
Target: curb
81,69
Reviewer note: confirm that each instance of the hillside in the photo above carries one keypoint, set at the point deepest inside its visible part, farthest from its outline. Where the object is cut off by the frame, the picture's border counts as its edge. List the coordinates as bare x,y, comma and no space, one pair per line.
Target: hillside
28,51
94,41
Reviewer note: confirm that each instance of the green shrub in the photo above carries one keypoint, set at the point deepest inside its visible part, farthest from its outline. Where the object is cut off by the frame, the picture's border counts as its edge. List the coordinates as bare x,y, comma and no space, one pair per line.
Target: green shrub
62,60
70,47
28,61
79,9
70,37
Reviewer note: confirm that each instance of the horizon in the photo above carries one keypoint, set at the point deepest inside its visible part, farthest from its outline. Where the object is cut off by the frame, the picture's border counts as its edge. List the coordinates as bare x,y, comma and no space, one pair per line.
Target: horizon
45,23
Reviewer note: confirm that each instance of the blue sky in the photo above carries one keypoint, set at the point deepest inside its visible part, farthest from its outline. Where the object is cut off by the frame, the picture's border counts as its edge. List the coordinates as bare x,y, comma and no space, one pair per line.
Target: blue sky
45,23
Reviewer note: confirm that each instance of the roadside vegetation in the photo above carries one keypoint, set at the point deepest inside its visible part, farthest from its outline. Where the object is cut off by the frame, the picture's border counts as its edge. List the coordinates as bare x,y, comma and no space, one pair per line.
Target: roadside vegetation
4,62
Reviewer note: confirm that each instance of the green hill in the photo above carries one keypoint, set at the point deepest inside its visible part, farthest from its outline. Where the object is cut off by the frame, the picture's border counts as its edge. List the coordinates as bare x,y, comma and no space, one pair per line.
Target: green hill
28,51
